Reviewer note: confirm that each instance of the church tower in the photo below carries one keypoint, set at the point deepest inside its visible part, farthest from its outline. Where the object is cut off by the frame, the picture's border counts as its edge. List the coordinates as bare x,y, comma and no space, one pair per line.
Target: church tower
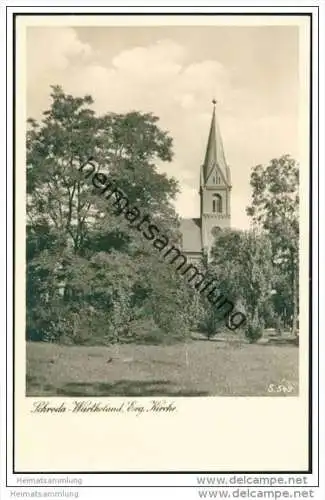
215,187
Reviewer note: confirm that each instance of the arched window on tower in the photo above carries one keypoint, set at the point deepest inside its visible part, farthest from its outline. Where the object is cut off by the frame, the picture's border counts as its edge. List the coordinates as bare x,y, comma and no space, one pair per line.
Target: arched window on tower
217,204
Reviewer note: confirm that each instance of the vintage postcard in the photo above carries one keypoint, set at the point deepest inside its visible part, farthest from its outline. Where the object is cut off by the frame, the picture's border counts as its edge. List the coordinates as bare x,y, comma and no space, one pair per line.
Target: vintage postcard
162,243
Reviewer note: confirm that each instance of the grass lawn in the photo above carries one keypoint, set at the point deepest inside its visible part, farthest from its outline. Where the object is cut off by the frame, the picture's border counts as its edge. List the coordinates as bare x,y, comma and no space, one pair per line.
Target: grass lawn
208,369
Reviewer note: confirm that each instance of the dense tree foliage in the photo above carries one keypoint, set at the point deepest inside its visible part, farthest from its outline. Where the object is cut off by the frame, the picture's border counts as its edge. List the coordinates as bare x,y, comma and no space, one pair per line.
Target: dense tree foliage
258,269
242,266
90,276
275,210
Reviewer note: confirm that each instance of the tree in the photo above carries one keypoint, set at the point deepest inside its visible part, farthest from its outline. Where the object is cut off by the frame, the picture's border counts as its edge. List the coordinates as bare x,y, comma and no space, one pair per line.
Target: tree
275,206
89,272
124,145
242,268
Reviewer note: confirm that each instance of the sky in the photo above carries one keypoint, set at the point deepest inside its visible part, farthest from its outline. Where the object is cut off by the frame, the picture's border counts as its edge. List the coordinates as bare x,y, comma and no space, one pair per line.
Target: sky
175,72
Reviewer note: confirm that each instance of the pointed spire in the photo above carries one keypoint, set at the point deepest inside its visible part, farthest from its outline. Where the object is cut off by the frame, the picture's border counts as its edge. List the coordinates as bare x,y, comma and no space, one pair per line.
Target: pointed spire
214,153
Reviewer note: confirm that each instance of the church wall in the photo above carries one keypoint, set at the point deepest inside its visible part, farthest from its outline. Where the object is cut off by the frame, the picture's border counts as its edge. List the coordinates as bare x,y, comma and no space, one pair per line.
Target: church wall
208,197
209,222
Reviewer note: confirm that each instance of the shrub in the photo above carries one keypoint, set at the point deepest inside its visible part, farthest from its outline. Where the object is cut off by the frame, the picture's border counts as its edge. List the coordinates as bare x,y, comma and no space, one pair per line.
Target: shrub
211,321
145,330
254,331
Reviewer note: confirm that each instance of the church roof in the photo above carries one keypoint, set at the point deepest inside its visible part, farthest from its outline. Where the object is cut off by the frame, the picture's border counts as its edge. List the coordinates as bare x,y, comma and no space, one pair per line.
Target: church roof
191,235
215,153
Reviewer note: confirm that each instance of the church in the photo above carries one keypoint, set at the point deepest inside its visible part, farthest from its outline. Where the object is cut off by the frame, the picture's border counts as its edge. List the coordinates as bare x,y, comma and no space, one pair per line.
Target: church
215,189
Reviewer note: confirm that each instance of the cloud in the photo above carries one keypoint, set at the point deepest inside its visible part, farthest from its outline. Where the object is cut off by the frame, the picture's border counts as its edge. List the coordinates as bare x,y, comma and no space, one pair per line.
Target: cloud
53,48
50,54
154,64
161,77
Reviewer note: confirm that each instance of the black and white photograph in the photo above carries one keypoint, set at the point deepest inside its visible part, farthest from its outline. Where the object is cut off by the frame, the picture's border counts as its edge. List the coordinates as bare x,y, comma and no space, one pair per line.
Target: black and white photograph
162,204
162,211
